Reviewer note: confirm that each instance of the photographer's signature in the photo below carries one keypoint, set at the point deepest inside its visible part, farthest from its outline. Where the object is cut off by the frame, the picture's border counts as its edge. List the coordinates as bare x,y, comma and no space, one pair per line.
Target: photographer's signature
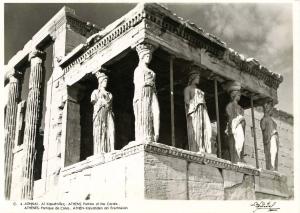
270,206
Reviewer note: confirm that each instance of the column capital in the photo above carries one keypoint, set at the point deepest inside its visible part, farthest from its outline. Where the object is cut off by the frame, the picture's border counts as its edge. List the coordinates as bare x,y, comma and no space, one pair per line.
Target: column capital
100,71
37,53
13,79
145,47
13,76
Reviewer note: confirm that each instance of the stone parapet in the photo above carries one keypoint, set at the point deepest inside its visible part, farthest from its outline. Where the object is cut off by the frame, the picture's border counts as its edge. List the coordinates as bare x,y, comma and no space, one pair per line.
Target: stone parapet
165,172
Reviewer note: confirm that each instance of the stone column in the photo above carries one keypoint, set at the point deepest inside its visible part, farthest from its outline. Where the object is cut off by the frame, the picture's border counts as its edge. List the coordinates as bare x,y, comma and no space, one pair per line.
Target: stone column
145,102
32,119
14,92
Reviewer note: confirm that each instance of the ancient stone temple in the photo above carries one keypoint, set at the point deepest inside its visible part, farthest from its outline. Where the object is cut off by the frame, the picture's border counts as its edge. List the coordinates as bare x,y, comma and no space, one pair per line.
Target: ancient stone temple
149,107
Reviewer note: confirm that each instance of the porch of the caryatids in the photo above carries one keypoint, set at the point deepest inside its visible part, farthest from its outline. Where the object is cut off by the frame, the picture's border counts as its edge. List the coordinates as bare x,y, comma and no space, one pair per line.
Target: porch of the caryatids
33,118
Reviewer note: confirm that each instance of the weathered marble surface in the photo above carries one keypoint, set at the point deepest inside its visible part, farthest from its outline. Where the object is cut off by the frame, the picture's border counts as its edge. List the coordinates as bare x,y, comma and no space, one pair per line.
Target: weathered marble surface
238,186
204,183
272,183
164,176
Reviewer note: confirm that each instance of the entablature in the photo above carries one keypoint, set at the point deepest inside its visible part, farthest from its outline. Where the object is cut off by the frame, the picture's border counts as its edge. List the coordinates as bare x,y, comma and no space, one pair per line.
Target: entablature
183,39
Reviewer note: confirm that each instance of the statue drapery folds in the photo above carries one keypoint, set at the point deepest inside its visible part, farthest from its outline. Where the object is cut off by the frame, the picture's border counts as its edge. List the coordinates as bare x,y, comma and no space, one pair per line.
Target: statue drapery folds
198,122
103,123
270,137
145,103
236,123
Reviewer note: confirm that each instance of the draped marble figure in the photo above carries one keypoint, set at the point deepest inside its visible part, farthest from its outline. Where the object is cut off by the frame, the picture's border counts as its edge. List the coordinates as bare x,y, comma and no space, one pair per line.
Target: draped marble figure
198,122
235,129
145,103
103,123
270,137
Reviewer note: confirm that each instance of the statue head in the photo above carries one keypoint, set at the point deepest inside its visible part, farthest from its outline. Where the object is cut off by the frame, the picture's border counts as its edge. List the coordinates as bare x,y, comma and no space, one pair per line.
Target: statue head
194,77
234,90
145,51
102,79
268,107
235,95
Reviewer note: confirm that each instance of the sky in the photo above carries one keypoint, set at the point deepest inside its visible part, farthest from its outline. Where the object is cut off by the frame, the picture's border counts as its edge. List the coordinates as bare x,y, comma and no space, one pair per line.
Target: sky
262,31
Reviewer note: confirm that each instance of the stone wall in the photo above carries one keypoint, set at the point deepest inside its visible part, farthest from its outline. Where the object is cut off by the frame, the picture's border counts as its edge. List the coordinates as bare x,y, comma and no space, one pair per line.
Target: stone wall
101,177
175,178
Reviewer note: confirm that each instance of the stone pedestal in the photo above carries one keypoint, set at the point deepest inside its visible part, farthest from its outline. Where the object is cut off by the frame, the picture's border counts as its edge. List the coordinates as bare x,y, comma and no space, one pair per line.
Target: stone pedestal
14,92
33,120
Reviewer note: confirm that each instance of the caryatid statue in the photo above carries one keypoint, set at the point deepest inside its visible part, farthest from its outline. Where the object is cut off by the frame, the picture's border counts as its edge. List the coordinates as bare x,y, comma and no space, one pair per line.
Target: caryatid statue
198,123
145,103
103,123
270,137
236,123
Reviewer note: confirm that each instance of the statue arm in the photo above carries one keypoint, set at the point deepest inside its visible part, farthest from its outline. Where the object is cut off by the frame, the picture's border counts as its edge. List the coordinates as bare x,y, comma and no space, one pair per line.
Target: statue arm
265,133
135,73
111,131
94,97
186,98
262,124
156,116
203,100
137,83
228,112
243,120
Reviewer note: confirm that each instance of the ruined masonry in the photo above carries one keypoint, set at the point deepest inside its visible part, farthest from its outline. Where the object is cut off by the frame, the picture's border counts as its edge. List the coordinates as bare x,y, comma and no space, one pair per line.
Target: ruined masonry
142,143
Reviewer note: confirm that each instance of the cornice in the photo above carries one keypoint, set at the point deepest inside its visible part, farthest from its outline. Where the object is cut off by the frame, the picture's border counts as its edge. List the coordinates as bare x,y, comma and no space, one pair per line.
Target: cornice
83,28
201,158
161,149
252,67
100,40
